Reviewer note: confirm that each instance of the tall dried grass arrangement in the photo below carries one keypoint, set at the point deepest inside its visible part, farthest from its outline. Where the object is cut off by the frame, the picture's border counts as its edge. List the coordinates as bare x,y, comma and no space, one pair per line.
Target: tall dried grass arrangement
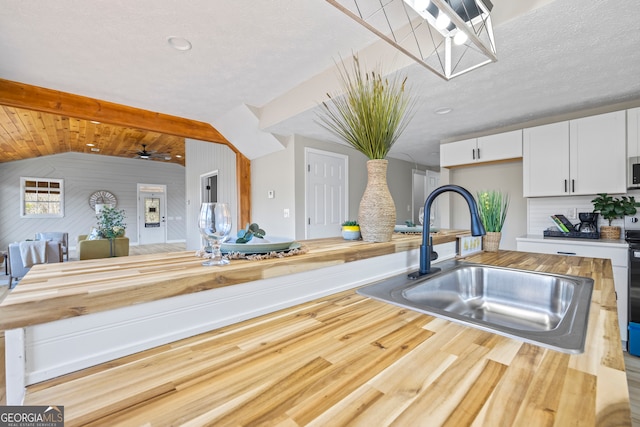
372,112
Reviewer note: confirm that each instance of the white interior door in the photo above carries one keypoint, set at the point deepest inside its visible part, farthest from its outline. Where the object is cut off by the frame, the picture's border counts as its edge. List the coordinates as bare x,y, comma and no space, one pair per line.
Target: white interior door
433,182
419,193
152,224
424,182
326,193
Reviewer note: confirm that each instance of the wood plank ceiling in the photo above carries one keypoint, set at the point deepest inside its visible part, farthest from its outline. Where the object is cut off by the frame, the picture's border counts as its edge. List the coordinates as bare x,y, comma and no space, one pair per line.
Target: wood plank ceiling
27,134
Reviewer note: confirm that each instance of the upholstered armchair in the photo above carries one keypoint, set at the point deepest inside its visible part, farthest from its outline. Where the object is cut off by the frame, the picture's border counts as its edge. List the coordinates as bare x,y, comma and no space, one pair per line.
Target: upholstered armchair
56,236
102,248
17,269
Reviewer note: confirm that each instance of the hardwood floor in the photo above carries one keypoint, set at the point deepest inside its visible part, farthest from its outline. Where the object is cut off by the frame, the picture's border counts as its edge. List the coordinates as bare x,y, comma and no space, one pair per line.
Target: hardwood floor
632,364
144,249
154,249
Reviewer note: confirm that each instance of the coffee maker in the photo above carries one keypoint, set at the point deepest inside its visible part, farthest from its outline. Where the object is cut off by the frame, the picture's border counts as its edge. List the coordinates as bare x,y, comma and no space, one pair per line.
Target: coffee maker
588,222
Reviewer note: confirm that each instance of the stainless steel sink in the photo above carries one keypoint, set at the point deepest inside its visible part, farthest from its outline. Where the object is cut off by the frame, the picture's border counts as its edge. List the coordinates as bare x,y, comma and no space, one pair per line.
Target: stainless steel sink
550,310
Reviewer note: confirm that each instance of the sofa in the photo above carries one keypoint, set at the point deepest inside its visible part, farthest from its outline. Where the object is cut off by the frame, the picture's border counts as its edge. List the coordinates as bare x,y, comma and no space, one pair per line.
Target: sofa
101,248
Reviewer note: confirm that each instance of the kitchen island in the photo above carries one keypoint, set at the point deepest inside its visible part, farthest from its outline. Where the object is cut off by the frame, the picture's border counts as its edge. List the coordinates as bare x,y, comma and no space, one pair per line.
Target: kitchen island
345,359
70,316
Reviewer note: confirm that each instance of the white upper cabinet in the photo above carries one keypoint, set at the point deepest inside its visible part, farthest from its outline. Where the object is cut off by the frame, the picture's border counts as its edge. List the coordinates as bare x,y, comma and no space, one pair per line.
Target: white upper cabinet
501,146
458,153
598,154
633,132
545,160
578,157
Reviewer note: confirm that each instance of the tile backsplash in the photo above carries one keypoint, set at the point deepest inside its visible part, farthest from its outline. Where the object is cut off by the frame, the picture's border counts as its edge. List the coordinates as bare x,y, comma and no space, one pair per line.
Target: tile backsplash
540,208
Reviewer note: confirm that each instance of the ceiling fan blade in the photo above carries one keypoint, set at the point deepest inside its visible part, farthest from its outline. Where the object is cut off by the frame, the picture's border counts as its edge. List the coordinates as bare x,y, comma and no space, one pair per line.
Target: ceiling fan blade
151,154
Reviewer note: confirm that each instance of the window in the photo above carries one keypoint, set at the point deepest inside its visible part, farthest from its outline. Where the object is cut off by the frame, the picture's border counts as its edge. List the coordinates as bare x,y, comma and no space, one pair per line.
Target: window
41,197
151,212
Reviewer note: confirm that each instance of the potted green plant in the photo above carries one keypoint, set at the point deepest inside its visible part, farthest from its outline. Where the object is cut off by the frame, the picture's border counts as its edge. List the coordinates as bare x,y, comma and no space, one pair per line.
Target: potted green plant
492,208
369,114
350,230
611,208
111,225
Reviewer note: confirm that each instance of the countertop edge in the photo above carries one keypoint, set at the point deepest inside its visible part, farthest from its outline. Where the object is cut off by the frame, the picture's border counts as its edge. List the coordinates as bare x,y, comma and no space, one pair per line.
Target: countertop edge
58,291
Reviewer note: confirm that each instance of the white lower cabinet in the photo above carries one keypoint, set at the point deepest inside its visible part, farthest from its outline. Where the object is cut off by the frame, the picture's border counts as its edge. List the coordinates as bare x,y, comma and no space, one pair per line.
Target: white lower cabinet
616,252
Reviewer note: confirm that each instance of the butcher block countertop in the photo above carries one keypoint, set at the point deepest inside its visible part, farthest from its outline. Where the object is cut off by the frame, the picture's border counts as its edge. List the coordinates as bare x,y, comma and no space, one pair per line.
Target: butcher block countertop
346,359
52,292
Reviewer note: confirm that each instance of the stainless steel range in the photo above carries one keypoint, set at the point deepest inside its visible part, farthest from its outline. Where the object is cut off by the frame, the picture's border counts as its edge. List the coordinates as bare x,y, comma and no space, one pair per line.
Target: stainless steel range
632,236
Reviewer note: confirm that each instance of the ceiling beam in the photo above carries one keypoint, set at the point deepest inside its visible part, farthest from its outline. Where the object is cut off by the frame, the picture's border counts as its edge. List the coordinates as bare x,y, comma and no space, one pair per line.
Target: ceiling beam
36,98
22,95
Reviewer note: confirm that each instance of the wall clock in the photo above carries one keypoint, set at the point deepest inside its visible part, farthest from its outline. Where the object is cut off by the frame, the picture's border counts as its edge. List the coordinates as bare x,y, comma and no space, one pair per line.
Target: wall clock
102,197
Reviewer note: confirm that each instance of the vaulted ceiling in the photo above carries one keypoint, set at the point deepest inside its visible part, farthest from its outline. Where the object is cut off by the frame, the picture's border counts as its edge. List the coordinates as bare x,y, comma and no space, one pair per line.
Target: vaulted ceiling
26,134
260,69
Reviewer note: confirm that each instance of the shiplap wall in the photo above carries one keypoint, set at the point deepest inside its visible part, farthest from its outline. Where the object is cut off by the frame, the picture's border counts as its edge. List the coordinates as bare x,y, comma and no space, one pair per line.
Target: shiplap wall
204,158
83,174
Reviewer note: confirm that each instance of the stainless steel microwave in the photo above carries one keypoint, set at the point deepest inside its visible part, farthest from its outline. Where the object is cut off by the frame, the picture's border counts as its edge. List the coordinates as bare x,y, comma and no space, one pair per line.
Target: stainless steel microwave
633,172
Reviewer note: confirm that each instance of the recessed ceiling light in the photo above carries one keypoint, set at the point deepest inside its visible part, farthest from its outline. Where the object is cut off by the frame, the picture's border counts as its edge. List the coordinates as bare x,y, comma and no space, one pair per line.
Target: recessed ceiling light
91,145
178,156
94,122
179,43
443,110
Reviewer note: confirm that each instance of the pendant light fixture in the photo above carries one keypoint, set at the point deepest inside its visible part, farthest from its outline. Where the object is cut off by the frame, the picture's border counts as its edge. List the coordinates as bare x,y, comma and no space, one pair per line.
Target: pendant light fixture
448,37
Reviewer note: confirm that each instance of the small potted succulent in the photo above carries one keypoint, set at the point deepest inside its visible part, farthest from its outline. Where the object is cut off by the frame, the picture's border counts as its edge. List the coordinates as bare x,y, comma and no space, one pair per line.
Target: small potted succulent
613,208
350,230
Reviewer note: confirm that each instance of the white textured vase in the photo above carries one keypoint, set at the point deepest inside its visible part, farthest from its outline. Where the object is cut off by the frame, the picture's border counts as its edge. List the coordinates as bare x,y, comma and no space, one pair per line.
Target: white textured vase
377,213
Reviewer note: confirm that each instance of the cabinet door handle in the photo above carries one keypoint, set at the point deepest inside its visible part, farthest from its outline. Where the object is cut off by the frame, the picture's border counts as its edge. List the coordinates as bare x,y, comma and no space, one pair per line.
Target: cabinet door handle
566,253
573,185
478,154
473,153
565,185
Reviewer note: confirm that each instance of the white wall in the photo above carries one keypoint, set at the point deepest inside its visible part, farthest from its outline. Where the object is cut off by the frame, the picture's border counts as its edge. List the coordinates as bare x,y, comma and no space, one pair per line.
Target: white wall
83,174
203,158
274,172
506,177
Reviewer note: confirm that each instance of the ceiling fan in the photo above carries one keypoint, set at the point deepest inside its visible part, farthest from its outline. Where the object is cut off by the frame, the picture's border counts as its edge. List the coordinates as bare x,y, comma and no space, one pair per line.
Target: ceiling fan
150,155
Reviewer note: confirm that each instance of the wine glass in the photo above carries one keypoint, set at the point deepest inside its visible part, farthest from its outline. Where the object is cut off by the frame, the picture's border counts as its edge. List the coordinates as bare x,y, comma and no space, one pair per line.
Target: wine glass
214,223
421,215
